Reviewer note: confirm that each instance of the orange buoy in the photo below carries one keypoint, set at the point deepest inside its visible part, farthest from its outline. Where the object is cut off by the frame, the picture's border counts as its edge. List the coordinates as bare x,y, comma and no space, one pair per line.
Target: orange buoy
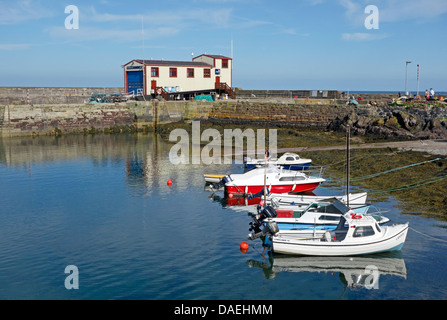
244,246
169,182
230,195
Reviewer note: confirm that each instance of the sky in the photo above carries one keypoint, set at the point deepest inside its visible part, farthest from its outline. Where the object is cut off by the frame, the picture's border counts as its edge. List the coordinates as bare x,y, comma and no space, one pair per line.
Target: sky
301,44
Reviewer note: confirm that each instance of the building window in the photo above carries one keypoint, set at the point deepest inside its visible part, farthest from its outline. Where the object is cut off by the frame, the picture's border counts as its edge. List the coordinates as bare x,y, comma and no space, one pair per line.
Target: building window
207,73
154,72
224,63
173,72
190,72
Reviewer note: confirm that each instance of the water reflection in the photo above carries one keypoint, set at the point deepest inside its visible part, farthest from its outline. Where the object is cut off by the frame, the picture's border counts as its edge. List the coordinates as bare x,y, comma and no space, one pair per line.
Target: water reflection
144,158
354,272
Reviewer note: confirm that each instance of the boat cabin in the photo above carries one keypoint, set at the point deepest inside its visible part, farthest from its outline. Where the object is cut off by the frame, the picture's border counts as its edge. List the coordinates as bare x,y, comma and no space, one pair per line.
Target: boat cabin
355,227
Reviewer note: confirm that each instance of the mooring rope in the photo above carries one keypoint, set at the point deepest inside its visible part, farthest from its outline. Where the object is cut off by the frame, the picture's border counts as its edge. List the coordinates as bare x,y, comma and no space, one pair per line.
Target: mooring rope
411,185
395,169
343,162
427,235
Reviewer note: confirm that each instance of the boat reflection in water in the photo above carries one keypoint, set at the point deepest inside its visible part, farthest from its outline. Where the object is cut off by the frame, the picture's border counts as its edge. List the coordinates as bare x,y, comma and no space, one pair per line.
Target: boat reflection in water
355,272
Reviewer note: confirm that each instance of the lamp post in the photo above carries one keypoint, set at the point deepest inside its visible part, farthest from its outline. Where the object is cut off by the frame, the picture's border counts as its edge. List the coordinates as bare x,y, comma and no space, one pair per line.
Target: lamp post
417,93
406,73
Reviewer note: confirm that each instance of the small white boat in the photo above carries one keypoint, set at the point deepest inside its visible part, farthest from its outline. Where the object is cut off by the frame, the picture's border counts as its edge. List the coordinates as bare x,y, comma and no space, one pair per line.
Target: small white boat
288,161
318,218
354,235
325,215
299,202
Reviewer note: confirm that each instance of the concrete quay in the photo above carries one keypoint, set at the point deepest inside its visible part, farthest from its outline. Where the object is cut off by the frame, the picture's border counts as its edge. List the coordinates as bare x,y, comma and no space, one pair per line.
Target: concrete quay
382,121
51,95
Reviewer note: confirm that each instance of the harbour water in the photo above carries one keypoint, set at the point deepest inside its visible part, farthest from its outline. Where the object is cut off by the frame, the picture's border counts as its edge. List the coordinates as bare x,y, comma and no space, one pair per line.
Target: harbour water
101,203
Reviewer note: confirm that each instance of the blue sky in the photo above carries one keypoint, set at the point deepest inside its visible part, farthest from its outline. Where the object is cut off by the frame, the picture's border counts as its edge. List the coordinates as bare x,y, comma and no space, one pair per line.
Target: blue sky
307,44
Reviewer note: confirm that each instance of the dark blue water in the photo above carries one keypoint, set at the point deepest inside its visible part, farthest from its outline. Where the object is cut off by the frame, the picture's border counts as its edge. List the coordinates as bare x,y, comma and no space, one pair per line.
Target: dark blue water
101,203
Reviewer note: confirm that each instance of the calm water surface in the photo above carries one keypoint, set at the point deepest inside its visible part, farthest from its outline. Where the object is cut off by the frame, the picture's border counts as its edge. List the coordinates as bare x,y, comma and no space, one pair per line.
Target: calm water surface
101,203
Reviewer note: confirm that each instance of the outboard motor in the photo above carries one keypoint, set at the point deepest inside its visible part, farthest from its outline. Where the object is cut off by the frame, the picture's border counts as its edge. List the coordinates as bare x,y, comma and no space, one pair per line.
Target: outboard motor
221,183
259,227
258,194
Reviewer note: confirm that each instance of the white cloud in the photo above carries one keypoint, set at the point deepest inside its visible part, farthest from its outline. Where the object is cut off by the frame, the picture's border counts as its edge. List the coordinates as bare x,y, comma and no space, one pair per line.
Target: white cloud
351,7
314,2
14,46
102,33
395,10
168,18
359,36
14,12
128,27
399,10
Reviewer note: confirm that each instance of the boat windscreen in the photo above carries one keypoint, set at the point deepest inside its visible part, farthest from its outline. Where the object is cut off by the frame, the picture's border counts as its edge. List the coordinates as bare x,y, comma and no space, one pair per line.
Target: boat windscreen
340,206
273,169
342,225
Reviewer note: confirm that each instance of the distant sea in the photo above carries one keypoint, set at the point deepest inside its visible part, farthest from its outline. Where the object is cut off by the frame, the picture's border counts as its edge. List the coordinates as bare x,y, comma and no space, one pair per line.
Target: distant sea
391,92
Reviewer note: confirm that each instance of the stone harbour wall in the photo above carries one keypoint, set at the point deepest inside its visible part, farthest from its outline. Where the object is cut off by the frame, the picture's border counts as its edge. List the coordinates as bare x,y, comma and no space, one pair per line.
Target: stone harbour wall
20,120
384,121
51,95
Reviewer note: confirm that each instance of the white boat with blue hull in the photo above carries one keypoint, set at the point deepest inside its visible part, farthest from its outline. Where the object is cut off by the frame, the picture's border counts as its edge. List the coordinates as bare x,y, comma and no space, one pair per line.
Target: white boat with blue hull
354,235
288,161
318,218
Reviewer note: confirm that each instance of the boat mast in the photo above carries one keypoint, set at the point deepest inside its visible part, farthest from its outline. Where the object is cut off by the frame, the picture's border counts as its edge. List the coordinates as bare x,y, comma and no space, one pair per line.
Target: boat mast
347,164
265,176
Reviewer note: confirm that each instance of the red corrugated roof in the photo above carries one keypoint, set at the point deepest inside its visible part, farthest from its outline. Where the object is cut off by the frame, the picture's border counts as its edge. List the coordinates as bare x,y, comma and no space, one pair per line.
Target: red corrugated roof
171,63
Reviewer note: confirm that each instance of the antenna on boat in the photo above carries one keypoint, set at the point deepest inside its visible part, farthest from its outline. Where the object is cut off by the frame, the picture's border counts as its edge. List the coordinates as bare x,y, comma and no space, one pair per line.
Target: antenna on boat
348,131
267,158
144,64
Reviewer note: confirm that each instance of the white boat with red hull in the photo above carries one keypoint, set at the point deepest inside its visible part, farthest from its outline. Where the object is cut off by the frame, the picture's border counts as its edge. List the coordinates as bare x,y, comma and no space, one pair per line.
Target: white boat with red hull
275,179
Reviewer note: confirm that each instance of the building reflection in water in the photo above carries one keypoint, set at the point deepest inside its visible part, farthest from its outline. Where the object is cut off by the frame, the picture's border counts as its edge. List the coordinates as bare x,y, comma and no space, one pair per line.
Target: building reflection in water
144,157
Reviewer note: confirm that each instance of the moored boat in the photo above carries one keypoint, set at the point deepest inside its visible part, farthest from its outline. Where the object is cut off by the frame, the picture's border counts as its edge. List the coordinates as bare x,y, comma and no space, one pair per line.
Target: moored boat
288,161
275,179
355,235
213,178
301,201
318,218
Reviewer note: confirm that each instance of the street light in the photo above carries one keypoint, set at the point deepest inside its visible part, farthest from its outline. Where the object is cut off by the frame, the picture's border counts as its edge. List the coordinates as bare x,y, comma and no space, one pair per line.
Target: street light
406,73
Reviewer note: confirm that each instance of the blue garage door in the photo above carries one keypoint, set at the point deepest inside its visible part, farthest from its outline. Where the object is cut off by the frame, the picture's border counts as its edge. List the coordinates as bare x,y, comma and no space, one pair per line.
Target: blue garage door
134,81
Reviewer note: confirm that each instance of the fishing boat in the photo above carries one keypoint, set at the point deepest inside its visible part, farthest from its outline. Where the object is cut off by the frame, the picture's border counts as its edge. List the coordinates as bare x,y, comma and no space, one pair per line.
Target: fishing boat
275,179
355,235
315,220
287,202
288,161
320,217
302,201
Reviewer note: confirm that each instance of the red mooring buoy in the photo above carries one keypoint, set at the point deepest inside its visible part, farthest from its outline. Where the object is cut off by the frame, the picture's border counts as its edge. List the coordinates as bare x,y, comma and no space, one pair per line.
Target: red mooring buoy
169,182
244,246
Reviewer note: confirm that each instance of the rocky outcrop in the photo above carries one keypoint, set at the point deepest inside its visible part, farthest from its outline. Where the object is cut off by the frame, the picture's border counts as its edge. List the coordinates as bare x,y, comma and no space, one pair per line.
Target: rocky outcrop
395,122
